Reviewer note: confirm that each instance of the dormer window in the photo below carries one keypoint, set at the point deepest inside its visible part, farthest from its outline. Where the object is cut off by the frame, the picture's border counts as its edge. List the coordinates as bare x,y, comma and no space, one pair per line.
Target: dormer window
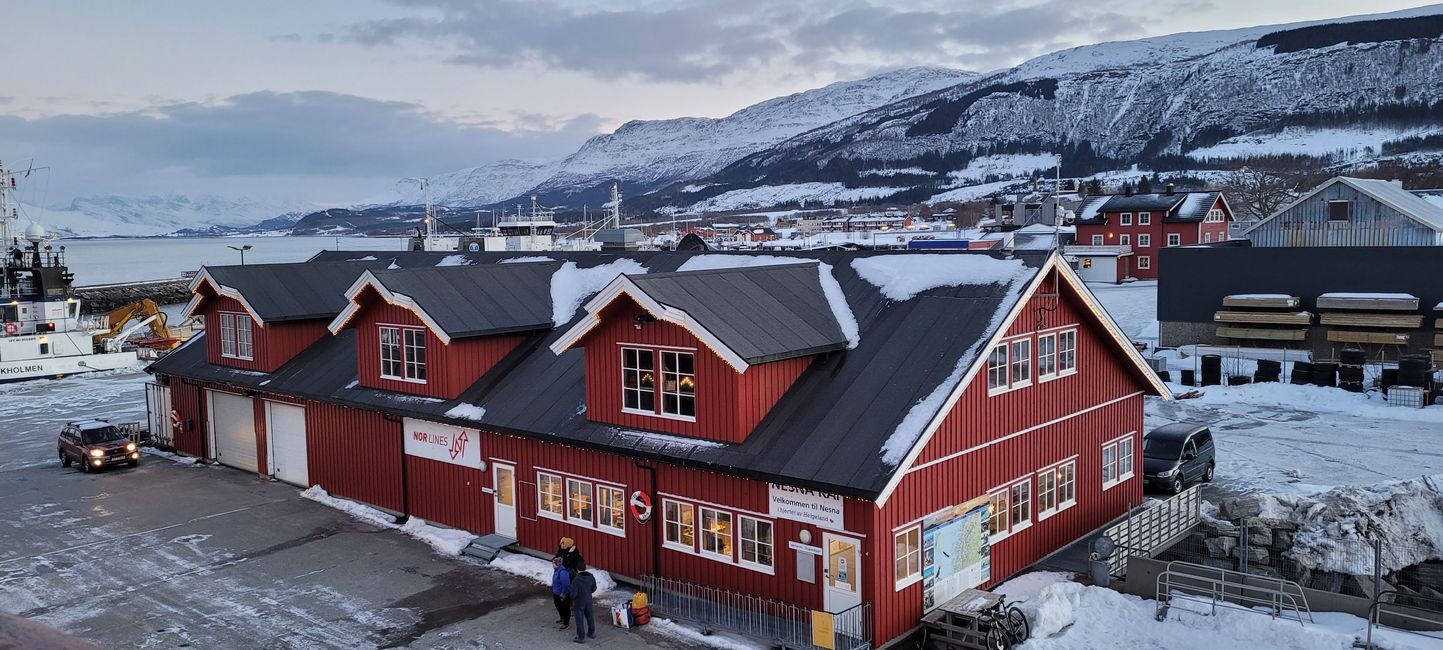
403,353
235,336
678,382
638,380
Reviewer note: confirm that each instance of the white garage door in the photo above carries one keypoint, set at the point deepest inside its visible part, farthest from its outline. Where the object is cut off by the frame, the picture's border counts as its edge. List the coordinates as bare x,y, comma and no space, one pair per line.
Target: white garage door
286,428
233,428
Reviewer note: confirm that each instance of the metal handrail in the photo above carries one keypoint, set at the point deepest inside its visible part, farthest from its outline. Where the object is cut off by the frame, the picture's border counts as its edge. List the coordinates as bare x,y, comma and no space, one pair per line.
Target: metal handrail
1242,586
1374,610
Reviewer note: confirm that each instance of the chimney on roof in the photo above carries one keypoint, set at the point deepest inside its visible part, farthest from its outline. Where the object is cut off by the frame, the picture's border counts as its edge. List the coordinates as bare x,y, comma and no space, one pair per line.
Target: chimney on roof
1170,189
1127,189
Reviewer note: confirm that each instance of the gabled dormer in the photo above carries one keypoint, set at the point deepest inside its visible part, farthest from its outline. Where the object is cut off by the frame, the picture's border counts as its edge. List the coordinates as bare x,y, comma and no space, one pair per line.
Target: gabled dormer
259,316
705,354
436,331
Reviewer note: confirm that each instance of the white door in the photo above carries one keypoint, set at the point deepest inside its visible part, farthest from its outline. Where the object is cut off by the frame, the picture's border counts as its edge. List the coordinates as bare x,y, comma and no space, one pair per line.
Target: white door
232,424
158,406
503,481
842,575
286,431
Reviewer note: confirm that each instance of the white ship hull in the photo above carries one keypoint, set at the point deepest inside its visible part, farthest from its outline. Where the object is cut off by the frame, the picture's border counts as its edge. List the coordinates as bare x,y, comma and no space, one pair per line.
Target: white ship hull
56,367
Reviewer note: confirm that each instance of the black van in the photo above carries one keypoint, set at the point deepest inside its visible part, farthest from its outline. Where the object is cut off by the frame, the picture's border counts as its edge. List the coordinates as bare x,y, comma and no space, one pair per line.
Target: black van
1175,455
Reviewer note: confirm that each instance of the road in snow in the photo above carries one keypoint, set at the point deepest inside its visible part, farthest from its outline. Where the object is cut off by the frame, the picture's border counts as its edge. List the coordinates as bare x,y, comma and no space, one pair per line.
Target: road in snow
34,411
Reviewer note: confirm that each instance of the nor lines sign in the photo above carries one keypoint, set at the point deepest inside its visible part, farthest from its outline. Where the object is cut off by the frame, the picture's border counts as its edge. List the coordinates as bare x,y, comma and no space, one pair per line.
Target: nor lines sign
806,506
443,442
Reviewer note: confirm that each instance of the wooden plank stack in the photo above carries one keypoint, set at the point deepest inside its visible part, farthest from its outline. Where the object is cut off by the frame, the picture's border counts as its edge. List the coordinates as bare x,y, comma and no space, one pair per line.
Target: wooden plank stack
1372,318
1262,317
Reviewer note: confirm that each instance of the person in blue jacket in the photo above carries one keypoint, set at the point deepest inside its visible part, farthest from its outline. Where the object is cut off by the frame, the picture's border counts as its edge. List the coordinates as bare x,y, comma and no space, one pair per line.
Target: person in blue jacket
561,592
583,585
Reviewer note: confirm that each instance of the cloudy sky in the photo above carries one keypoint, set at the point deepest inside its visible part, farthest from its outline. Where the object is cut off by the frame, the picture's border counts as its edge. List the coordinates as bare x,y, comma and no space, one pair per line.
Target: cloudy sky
332,100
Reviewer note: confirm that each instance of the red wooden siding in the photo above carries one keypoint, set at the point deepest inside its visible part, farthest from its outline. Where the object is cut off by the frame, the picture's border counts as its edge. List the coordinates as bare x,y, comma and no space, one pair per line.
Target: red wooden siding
728,404
354,454
450,369
1188,234
272,345
448,494
186,398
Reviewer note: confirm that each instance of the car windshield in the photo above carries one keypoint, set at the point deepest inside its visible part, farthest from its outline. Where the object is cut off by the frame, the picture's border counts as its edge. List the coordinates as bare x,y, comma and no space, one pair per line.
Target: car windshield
1161,448
102,434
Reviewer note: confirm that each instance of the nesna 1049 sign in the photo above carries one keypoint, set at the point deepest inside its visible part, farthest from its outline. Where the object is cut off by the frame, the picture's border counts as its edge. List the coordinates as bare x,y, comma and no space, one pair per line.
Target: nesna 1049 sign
443,442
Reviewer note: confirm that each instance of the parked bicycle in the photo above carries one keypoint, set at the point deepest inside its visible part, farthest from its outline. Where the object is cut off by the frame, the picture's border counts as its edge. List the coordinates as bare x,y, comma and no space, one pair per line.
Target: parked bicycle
1006,626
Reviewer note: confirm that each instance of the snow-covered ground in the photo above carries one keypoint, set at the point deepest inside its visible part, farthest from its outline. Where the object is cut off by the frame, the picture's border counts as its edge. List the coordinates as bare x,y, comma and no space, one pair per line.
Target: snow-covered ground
41,407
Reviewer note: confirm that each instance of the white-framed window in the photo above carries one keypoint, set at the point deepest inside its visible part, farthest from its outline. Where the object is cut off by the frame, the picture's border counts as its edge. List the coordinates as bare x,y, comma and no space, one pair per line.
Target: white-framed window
1021,498
549,499
1010,509
578,501
678,525
611,508
907,556
403,353
235,336
1174,239
756,542
997,514
1144,262
997,369
1144,241
638,380
1126,219
1021,353
1097,240
1207,238
678,384
1117,465
1056,489
1214,215
1144,218
716,533
1066,352
1046,357
1124,239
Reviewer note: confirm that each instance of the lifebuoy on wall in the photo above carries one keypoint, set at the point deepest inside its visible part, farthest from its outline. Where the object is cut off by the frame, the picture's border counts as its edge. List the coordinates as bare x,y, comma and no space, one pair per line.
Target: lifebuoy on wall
12,328
640,506
174,419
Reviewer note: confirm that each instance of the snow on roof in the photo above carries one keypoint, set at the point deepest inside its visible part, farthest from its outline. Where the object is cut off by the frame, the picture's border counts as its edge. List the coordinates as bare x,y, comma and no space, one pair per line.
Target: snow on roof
1193,204
1438,307
901,277
1090,208
454,260
1259,296
570,285
368,258
1345,295
836,299
528,258
466,412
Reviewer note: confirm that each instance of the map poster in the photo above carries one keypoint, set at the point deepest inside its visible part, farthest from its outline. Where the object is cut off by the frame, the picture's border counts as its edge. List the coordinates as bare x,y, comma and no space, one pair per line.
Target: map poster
955,555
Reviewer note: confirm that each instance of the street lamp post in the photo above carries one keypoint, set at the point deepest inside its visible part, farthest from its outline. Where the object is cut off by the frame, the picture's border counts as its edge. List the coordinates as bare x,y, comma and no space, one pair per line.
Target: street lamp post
242,250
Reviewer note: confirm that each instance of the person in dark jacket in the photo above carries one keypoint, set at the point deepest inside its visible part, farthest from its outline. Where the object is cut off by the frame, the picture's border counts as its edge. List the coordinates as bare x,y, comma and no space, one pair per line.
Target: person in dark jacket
570,556
561,592
583,585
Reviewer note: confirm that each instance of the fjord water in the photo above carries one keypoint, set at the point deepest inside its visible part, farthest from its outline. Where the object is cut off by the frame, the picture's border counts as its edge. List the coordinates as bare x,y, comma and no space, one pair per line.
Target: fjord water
103,261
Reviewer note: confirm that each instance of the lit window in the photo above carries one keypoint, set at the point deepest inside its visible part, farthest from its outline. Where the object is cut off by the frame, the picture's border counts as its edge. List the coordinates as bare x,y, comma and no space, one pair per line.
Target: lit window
907,558
678,384
1066,352
638,380
1117,463
756,541
235,336
680,527
997,369
611,507
1056,489
716,532
578,501
1046,493
997,513
1046,356
548,495
403,353
1010,509
1021,363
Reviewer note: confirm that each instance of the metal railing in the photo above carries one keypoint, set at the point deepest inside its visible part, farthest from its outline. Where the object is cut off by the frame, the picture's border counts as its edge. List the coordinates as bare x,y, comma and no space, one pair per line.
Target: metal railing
1232,589
775,622
1415,615
1147,531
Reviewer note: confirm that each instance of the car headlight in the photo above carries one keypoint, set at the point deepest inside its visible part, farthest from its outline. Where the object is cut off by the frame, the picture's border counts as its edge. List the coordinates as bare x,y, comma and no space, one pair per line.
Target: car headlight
130,446
96,453
1166,473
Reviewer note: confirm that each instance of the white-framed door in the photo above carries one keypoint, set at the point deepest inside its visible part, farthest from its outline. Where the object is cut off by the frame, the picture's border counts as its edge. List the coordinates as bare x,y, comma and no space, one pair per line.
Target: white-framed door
231,422
286,442
841,573
503,484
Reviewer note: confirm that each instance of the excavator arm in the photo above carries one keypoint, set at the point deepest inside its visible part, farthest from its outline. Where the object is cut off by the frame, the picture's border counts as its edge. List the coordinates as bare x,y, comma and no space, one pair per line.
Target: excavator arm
145,311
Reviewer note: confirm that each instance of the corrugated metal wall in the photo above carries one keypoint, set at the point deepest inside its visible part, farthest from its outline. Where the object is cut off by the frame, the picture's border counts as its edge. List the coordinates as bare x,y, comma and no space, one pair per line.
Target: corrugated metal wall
188,400
448,494
1369,223
450,369
354,454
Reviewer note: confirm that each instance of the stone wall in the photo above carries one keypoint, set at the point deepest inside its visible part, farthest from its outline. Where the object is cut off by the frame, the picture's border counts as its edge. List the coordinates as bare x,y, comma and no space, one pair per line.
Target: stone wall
100,300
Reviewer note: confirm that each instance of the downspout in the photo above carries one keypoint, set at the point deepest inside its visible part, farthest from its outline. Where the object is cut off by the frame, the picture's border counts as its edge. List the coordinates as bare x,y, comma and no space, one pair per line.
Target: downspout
405,482
655,528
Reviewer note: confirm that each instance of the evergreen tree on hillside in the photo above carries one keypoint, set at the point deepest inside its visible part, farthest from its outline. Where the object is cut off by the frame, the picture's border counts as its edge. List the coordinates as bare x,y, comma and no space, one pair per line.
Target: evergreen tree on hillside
1094,186
1127,187
1144,185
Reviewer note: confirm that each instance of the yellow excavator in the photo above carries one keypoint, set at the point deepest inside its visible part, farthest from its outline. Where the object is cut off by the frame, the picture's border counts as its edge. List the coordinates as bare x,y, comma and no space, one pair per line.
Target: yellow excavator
147,313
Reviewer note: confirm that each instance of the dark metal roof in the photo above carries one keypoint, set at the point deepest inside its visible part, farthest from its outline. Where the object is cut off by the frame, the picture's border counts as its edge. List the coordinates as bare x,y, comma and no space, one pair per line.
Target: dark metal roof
1174,208
828,431
482,299
763,313
312,290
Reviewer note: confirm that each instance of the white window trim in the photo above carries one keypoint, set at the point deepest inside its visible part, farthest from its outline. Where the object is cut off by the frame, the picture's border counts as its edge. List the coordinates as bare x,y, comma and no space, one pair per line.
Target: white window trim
541,512
1144,240
656,391
1012,527
1174,239
1012,385
913,578
1124,239
1073,370
596,510
401,347
1144,262
566,502
701,548
1043,378
678,546
1006,369
235,343
1098,240
661,392
1061,506
1125,219
737,543
1116,459
1144,218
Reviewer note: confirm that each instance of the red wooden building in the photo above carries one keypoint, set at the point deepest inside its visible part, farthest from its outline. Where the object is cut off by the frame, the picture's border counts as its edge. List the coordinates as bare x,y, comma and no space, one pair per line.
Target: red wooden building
808,432
1150,222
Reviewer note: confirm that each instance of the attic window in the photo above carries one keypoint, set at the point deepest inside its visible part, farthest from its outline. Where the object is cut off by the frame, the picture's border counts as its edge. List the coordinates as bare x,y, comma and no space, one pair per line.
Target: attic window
235,336
1338,210
403,353
677,388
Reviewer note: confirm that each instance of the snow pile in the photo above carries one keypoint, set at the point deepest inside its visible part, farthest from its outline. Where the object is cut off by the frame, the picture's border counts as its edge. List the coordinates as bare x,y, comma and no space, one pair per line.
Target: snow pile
537,569
837,300
671,629
454,260
447,541
667,441
1316,399
528,258
368,258
467,412
570,285
901,277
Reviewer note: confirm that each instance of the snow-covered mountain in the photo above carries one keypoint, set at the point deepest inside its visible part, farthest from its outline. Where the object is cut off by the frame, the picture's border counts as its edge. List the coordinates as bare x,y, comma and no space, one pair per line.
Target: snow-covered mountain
108,215
1346,91
471,187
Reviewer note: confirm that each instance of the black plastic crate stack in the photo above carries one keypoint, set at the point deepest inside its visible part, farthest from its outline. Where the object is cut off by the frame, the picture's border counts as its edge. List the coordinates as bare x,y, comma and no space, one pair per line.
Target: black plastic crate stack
1413,370
1302,373
1268,371
1325,374
1350,369
1212,369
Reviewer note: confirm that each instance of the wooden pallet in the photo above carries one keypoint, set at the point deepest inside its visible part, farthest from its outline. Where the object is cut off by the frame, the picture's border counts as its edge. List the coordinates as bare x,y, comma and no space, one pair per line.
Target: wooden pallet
1438,341
1379,338
1272,301
1262,333
1408,303
1268,318
1391,321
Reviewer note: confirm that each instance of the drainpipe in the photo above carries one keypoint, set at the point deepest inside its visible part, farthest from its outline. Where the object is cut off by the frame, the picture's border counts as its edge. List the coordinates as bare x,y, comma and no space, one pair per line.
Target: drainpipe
405,515
655,516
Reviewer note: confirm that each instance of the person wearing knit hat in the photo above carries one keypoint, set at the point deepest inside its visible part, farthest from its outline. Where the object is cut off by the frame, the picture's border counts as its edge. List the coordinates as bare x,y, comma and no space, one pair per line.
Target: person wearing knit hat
570,556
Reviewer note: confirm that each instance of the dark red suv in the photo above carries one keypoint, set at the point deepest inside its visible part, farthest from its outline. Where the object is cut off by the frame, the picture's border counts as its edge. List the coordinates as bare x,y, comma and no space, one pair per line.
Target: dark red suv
95,444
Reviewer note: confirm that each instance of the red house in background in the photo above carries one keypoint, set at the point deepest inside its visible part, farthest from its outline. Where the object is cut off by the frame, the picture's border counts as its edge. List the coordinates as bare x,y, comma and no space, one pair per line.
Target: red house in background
1149,222
771,431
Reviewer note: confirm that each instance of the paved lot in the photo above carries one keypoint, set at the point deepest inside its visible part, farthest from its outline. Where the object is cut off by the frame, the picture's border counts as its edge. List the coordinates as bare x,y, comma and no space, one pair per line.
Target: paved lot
177,555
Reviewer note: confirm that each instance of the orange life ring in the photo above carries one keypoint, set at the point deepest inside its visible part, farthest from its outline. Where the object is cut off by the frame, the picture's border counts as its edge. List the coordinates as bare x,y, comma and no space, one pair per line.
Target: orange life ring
640,506
12,328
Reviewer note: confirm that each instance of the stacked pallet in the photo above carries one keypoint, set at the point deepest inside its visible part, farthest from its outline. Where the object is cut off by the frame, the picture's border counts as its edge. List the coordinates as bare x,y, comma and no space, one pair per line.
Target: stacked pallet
1438,331
1262,316
1382,317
